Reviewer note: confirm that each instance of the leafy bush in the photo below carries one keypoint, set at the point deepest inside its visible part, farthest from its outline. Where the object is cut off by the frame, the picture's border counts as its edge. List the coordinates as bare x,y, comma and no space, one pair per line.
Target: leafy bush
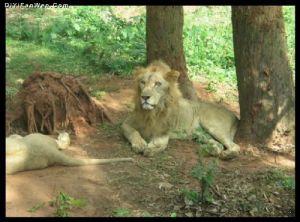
208,44
289,18
95,35
94,40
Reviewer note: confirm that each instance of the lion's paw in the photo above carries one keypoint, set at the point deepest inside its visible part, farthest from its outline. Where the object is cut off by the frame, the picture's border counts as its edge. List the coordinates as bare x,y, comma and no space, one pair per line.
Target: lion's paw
139,146
149,152
228,154
155,147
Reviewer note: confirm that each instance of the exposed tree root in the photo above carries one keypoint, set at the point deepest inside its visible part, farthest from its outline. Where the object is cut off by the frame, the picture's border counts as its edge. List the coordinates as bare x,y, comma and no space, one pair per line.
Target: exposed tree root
49,102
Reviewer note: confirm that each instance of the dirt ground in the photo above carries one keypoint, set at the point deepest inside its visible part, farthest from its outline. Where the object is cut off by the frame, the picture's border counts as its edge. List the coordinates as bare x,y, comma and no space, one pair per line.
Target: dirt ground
153,186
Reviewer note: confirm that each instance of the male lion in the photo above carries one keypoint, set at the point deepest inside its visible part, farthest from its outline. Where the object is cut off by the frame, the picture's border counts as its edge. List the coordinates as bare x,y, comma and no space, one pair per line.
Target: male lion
161,112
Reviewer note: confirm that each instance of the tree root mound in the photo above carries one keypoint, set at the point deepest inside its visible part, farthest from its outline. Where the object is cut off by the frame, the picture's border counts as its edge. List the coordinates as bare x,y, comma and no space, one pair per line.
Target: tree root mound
50,102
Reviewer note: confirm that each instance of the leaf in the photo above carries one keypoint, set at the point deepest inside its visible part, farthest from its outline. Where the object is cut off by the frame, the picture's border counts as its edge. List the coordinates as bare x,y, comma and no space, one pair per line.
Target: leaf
121,212
36,207
53,36
76,27
173,214
78,202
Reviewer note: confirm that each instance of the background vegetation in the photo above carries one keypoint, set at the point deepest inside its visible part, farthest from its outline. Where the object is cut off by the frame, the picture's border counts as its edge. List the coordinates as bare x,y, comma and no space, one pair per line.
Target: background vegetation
111,40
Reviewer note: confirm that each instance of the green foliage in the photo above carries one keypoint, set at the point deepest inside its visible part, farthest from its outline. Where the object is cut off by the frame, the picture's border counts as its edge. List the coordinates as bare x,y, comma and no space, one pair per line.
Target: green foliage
121,212
90,36
64,203
173,214
10,91
208,44
93,40
289,18
280,178
36,207
205,175
211,86
190,195
207,144
110,128
98,94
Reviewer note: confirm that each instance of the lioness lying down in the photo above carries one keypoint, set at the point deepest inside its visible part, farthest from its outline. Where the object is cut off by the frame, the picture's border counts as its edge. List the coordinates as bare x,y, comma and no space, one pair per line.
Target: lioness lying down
161,113
38,151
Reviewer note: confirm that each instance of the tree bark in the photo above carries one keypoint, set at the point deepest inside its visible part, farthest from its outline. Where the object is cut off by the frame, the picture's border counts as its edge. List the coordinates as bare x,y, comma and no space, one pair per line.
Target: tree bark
265,85
164,30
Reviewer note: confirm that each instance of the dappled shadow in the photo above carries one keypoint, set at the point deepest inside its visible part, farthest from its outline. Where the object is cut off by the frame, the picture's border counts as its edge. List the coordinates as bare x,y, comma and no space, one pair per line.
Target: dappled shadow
149,186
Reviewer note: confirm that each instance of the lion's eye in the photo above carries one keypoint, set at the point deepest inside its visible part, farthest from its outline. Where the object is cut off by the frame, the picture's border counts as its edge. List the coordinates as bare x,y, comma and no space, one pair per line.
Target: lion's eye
142,82
157,84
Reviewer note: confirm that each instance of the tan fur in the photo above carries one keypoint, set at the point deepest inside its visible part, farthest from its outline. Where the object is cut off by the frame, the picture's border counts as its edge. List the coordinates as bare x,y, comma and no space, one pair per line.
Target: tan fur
38,151
160,111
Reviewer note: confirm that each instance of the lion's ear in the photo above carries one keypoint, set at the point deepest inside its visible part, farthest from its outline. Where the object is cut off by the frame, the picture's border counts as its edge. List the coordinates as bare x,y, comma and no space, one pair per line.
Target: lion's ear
138,71
172,76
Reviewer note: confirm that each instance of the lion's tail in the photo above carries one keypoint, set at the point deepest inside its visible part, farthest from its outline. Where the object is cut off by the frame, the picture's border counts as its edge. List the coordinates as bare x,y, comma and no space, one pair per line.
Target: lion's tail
69,161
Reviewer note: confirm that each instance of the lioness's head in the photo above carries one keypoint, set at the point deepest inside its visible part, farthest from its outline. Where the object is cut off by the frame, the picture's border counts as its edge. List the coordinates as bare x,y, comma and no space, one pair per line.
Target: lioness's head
156,85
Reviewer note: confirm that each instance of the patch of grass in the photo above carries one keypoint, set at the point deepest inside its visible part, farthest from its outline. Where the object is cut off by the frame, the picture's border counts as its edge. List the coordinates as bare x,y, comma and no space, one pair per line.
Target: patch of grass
121,212
110,128
82,39
64,203
211,86
173,214
205,174
280,178
27,57
190,195
98,94
10,91
36,207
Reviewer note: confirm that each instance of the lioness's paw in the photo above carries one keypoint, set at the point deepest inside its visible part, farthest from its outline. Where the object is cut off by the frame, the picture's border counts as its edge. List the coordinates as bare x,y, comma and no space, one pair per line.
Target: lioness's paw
139,146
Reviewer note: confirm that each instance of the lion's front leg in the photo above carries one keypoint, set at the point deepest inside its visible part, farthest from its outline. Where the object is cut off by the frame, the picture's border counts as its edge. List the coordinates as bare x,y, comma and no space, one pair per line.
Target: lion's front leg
138,144
156,145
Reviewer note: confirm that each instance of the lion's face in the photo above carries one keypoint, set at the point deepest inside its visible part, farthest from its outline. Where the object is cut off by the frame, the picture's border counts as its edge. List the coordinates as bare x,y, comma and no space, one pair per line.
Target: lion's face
153,84
152,87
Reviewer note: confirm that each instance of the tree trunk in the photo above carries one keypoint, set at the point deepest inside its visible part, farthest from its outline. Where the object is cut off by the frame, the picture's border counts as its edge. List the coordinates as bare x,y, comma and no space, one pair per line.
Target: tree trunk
164,28
266,88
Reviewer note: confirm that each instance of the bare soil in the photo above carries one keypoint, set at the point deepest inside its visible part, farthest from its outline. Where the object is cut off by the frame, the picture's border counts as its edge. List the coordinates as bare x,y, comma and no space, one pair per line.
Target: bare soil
152,186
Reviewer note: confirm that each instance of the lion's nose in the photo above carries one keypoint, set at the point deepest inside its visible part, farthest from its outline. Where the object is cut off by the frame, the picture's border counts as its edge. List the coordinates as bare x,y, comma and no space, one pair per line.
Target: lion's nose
145,97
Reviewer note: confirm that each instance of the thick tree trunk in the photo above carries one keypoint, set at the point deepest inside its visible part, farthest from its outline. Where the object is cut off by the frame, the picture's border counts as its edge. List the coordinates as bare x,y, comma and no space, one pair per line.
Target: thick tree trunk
266,88
164,41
